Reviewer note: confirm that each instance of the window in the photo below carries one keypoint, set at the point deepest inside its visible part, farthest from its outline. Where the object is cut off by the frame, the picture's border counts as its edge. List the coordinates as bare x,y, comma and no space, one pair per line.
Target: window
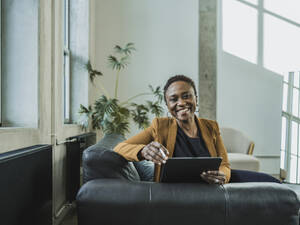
76,54
255,30
67,74
290,139
19,63
271,40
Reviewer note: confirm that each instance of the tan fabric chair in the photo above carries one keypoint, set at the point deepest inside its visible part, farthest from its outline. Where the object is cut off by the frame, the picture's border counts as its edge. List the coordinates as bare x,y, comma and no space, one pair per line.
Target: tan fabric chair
240,150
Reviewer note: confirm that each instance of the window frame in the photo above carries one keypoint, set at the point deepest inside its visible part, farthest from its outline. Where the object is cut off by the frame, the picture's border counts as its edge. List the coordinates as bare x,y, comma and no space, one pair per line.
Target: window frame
290,118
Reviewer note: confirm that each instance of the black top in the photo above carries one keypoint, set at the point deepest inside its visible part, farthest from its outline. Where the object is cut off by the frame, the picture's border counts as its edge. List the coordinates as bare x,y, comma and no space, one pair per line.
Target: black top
186,146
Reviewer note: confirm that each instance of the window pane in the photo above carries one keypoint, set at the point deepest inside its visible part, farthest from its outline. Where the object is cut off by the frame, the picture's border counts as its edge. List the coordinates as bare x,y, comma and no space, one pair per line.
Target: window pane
79,47
293,169
67,88
66,23
240,30
282,159
283,133
280,57
295,101
19,63
294,141
285,97
296,79
287,8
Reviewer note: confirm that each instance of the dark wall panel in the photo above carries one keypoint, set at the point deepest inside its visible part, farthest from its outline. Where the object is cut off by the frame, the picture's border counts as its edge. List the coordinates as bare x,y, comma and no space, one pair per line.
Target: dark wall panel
26,186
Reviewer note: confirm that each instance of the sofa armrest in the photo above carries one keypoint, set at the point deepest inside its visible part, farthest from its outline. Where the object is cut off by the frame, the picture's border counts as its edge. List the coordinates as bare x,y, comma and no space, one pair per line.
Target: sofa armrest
101,162
261,203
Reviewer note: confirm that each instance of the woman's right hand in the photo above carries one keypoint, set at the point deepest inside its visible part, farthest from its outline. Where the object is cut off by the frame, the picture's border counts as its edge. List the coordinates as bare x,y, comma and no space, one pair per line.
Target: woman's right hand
155,152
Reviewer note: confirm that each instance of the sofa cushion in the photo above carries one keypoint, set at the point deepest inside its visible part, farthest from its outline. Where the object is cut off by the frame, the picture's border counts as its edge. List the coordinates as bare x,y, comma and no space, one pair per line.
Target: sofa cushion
243,162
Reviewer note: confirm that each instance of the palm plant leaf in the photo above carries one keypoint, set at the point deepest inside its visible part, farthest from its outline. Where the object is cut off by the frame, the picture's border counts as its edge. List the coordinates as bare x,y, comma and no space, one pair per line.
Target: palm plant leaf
155,108
118,49
84,110
124,61
105,106
157,92
84,116
129,48
139,115
92,73
114,62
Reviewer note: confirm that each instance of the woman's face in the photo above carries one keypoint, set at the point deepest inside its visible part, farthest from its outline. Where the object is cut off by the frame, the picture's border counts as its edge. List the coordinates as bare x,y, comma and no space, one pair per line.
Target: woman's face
181,100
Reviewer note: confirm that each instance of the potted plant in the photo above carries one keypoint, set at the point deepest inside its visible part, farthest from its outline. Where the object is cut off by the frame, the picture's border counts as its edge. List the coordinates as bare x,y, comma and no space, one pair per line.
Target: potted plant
110,114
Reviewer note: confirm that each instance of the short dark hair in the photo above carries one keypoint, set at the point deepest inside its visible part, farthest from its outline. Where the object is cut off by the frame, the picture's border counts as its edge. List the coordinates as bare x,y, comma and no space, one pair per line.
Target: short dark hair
179,78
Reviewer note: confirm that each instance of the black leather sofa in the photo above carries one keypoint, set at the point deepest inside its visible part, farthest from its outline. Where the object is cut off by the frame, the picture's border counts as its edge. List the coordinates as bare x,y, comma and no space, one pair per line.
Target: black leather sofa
113,194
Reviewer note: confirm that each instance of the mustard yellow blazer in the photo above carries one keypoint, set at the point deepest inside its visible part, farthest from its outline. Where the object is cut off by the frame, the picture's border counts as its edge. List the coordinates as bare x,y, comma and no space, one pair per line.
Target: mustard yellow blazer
164,131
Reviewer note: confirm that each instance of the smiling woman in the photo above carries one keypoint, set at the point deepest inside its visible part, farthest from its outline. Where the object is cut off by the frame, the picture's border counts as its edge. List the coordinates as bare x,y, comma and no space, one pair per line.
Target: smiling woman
183,135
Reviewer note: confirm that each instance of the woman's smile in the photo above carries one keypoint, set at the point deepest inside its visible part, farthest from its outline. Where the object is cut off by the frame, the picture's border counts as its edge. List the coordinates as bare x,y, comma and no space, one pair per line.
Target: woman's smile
183,111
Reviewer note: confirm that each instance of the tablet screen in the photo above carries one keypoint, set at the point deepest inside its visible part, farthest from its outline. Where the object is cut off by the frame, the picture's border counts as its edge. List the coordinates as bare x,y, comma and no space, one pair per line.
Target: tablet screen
187,169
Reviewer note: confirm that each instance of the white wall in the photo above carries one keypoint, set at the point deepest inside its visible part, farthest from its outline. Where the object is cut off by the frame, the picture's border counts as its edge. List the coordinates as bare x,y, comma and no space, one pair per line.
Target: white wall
165,34
249,97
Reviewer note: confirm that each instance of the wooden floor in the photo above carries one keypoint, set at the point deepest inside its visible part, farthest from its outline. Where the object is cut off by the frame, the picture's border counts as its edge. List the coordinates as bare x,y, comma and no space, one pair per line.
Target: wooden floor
70,219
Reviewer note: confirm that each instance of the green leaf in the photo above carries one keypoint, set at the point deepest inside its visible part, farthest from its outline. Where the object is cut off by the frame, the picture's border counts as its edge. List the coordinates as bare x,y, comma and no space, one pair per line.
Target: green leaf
124,61
84,116
127,50
84,110
92,73
118,49
114,62
151,88
139,115
157,92
155,108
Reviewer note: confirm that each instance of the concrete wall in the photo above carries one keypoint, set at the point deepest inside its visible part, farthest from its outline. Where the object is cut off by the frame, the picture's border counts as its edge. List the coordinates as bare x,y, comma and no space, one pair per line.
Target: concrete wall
166,37
207,58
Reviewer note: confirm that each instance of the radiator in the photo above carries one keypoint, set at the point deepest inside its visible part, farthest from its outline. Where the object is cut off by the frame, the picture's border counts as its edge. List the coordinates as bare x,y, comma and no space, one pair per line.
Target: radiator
74,161
26,186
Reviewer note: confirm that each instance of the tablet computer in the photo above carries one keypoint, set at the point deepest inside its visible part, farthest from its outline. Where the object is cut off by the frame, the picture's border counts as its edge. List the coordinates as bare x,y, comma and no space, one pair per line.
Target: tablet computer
188,169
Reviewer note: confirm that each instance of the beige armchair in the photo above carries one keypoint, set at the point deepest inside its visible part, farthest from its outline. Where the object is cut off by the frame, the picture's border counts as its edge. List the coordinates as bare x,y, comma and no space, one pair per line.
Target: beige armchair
240,150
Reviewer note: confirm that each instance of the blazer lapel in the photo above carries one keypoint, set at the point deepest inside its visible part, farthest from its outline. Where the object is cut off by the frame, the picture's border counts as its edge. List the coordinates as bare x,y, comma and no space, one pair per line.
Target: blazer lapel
170,145
206,135
172,132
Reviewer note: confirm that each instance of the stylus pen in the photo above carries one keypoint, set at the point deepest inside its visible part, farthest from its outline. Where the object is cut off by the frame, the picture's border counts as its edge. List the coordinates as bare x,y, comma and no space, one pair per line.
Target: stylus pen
162,152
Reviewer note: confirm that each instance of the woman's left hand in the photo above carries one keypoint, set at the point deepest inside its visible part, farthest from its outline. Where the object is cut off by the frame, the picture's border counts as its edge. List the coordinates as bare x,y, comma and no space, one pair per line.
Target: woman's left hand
213,177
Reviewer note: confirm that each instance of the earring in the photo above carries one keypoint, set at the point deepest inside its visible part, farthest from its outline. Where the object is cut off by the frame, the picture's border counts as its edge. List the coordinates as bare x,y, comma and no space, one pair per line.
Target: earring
197,108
